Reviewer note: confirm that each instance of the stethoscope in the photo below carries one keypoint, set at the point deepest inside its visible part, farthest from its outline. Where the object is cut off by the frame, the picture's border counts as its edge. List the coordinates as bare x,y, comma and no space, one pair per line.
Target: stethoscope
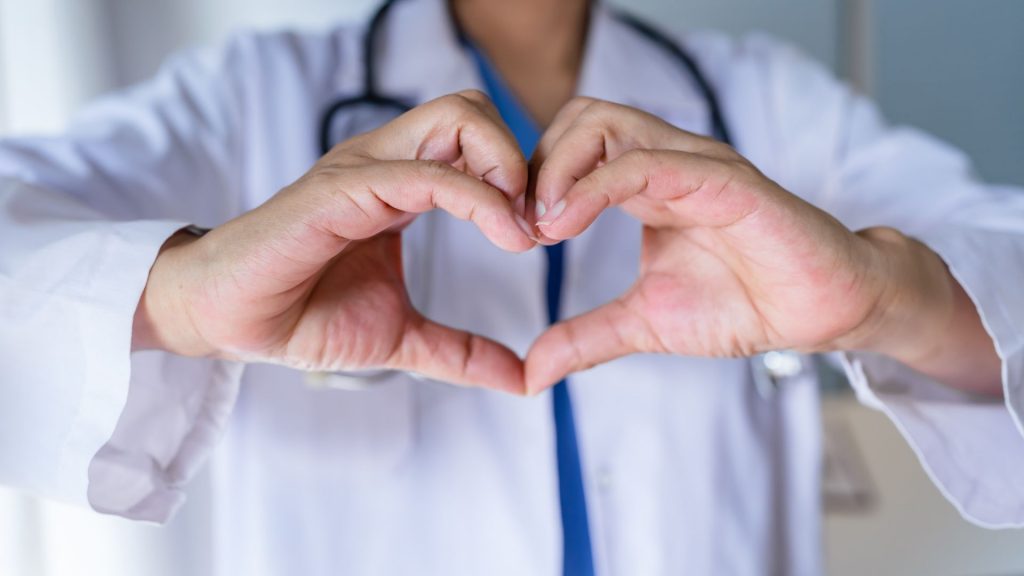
371,97
769,370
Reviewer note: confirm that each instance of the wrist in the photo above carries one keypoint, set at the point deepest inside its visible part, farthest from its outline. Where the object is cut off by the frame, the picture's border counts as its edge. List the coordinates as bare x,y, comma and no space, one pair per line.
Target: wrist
914,299
162,320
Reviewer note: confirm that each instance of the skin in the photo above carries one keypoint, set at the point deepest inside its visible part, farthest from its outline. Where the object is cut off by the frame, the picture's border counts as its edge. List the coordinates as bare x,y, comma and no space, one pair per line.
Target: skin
537,45
732,264
313,278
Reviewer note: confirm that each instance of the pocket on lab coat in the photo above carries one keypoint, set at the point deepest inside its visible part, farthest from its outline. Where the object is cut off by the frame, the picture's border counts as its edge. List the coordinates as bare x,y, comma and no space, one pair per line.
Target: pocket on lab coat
347,435
371,430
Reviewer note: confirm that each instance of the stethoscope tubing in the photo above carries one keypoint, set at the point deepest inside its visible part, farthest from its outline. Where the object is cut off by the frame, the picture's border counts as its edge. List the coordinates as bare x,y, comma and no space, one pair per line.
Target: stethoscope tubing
370,94
766,380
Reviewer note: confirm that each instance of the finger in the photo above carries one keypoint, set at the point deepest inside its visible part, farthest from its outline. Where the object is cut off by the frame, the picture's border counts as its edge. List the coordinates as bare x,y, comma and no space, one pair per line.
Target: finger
599,132
554,168
603,334
563,119
463,130
594,191
680,188
370,198
484,103
489,149
561,122
450,355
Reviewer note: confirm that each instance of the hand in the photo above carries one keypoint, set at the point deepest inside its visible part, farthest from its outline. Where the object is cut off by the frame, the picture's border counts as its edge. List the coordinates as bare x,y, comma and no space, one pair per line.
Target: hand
313,278
731,265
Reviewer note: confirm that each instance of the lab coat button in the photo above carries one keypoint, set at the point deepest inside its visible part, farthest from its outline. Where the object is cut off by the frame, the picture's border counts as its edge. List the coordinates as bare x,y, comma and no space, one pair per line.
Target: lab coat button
782,364
773,369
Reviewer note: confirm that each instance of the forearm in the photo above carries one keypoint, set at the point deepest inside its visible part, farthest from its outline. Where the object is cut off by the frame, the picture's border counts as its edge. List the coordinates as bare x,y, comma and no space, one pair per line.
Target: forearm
926,320
964,356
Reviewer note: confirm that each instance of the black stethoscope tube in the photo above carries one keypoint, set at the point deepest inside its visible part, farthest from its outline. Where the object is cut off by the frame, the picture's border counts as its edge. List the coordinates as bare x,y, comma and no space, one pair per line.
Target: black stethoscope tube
370,96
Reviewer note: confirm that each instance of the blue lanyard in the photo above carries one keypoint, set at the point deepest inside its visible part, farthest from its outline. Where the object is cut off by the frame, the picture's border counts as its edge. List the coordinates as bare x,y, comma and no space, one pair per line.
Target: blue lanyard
578,559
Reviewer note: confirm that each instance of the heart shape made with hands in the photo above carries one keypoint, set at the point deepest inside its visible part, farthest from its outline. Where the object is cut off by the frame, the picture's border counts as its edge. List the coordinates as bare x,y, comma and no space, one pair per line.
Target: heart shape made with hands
731,263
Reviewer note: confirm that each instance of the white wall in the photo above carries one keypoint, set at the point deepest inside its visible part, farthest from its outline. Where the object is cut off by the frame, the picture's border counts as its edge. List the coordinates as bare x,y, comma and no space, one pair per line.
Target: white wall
53,56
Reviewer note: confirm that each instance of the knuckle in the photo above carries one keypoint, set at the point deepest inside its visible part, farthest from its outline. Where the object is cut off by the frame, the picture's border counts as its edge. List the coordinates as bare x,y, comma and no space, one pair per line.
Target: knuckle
474,96
353,152
458,105
600,109
593,111
604,119
580,103
463,108
740,166
353,145
726,150
433,170
324,178
652,165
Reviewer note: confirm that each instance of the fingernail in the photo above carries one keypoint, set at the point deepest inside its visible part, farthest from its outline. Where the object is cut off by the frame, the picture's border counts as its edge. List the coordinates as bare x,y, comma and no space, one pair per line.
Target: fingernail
541,209
525,227
553,214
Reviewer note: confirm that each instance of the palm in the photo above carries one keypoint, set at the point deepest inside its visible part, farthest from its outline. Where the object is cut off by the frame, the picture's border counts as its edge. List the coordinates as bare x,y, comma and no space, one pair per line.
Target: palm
351,313
691,301
723,273
735,292
274,307
361,292
312,278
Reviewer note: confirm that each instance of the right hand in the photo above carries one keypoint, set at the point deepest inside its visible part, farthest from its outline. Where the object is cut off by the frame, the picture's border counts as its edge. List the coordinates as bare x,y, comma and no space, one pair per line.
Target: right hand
312,278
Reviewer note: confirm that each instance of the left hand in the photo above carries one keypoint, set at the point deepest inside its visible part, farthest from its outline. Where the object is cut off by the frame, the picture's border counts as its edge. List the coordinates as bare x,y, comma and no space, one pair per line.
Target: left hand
731,264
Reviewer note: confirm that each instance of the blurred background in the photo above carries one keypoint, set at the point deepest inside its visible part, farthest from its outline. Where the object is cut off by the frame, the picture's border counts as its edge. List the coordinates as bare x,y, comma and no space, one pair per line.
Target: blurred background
948,66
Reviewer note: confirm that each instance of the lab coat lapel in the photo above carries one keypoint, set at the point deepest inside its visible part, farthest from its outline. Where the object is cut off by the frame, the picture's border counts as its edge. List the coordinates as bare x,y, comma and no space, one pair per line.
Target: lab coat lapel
621,65
422,58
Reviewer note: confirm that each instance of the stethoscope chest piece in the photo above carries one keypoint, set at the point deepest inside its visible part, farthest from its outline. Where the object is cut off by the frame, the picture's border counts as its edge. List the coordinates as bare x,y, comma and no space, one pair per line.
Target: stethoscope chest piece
773,369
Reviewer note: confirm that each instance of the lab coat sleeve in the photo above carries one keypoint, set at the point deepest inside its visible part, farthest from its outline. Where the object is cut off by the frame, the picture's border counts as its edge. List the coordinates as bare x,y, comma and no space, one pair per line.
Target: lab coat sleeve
82,217
834,148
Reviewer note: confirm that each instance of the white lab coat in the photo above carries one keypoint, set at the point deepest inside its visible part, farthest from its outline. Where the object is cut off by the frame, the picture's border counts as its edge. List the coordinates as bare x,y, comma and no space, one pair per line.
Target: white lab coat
687,469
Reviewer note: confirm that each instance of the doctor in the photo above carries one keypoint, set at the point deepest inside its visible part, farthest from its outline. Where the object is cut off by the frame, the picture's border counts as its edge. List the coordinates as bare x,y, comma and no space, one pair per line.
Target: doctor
136,348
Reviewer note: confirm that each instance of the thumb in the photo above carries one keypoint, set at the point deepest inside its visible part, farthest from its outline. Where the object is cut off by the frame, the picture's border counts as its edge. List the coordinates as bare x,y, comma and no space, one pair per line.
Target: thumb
443,353
608,332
